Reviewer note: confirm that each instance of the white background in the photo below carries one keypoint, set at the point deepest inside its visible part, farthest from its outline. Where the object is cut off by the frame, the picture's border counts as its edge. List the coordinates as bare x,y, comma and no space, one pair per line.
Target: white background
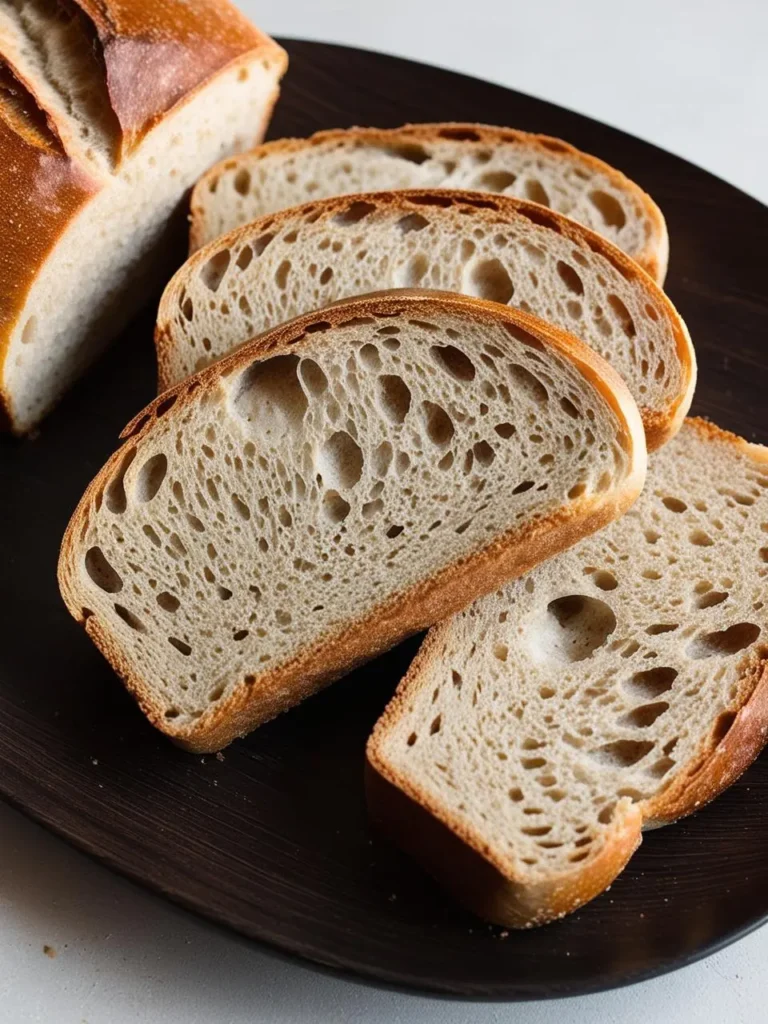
689,75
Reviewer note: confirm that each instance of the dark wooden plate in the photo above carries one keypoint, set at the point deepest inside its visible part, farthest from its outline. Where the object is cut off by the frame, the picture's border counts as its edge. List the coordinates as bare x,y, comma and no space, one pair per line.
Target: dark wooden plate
272,840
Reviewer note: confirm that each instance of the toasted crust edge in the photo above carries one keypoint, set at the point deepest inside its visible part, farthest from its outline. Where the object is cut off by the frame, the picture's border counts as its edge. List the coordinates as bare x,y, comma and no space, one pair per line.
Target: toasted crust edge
653,258
660,425
262,696
464,862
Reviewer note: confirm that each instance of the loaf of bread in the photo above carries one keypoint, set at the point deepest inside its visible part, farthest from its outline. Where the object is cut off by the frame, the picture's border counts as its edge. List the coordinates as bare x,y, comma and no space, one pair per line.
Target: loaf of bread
617,687
493,247
340,482
288,172
109,111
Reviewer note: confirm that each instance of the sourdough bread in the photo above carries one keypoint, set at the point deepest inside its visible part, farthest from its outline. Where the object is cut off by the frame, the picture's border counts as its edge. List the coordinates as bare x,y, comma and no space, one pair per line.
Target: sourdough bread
493,247
288,172
108,113
339,483
617,687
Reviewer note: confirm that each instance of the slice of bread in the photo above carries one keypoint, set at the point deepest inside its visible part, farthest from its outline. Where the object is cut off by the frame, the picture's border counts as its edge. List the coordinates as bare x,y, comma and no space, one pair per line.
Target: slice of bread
496,248
344,480
465,156
109,112
619,686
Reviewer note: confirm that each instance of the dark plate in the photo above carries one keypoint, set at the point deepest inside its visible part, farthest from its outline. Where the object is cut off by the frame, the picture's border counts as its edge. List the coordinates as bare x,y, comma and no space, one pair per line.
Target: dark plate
273,840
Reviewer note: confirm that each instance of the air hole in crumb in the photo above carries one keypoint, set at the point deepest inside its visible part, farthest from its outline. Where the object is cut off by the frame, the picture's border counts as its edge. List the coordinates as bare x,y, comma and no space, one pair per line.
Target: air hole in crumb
437,423
412,222
114,495
568,407
130,619
340,461
213,270
570,278
270,397
242,181
394,397
536,192
724,642
529,384
710,600
151,476
369,357
167,601
674,504
488,279
335,507
354,213
623,316
662,627
435,726
609,208
621,754
484,453
571,629
102,572
505,430
453,361
651,683
645,715
701,539
526,485
496,181
605,580
410,273
181,647
722,726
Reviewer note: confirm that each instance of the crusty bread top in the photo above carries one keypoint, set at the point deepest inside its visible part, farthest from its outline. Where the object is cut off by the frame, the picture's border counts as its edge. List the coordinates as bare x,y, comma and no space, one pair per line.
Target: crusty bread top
407,142
625,680
498,247
315,367
144,58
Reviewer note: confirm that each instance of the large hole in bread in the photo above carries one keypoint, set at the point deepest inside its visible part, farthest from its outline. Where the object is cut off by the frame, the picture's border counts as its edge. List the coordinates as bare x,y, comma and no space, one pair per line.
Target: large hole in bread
213,270
101,572
651,683
609,208
571,629
114,495
724,642
622,753
270,398
150,477
340,461
453,361
394,397
488,279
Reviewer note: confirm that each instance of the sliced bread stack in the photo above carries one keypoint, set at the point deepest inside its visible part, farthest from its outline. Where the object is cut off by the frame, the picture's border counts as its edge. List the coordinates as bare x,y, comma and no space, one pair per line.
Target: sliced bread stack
538,168
494,247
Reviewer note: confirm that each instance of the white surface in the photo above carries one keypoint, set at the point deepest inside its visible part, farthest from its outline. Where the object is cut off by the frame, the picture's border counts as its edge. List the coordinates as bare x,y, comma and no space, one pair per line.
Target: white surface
689,75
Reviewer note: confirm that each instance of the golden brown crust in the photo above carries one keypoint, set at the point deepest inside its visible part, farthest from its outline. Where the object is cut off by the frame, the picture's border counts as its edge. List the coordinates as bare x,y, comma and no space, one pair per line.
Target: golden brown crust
158,53
41,191
263,695
489,885
653,258
464,865
660,425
